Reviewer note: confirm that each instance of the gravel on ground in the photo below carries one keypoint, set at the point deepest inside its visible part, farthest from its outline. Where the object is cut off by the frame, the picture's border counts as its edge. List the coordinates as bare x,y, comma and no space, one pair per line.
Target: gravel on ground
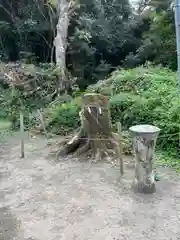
44,199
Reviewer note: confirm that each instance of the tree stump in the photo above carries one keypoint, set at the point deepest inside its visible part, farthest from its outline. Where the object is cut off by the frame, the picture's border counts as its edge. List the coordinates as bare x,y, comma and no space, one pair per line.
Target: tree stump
144,141
95,136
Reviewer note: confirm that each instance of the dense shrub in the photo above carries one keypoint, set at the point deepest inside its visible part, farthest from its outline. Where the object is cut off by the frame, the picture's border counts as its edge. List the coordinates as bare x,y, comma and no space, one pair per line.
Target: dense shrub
63,118
147,95
142,95
34,87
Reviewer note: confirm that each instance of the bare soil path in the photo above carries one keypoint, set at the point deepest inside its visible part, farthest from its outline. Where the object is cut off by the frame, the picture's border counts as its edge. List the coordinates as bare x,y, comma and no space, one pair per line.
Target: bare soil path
41,199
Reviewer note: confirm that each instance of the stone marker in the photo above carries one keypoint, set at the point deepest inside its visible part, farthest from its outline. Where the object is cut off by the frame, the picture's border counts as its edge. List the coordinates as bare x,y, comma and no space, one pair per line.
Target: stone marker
144,141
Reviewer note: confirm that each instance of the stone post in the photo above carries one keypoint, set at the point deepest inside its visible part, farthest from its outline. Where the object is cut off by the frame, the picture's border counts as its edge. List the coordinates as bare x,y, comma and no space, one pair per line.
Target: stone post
144,141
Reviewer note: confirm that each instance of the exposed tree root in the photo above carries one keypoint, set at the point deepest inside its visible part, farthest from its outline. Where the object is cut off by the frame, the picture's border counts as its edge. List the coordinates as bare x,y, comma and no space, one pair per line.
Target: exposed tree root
70,146
80,145
83,150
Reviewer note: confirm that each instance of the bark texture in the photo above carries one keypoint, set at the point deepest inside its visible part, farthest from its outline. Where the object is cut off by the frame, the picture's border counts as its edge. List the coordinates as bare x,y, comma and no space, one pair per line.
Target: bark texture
95,136
144,141
60,41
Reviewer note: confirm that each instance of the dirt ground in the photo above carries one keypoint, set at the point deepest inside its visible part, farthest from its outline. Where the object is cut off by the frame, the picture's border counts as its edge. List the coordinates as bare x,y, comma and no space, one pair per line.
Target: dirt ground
42,199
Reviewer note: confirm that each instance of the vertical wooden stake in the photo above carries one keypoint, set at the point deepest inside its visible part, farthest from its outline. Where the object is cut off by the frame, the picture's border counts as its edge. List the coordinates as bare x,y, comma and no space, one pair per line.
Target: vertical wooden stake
42,122
22,133
121,163
28,127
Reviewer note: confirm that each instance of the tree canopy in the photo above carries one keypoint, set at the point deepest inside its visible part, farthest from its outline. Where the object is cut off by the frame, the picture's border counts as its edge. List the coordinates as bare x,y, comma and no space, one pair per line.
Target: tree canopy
102,35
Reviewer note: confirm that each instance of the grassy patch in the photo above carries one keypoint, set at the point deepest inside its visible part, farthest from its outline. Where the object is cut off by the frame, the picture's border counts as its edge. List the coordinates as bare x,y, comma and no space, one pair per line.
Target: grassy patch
168,158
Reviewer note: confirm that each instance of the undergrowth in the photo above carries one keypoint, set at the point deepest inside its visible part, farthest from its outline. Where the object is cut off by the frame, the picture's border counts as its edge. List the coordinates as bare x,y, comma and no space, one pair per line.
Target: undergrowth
63,118
144,95
141,95
168,158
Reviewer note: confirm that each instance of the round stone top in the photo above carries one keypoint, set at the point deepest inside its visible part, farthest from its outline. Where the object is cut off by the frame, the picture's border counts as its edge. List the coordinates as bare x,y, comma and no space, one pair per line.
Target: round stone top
144,128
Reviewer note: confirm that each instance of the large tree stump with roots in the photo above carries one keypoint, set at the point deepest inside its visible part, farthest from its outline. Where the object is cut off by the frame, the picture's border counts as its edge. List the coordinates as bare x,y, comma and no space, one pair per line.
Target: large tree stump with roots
95,136
144,141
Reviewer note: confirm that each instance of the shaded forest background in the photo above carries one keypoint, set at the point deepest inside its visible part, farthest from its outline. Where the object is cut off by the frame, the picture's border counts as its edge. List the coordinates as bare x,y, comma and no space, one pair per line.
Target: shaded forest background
102,35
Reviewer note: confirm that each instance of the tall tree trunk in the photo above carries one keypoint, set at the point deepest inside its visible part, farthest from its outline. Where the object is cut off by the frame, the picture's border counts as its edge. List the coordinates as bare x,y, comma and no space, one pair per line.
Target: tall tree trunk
60,41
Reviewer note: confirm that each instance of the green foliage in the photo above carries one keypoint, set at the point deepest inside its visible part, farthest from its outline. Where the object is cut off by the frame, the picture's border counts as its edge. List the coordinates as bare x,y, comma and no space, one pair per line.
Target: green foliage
145,95
169,158
137,96
142,95
159,42
35,88
25,26
103,34
63,118
163,39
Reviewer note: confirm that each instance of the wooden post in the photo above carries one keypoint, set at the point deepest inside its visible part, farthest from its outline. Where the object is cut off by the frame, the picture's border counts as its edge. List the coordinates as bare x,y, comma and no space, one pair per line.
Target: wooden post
42,122
22,133
144,138
121,163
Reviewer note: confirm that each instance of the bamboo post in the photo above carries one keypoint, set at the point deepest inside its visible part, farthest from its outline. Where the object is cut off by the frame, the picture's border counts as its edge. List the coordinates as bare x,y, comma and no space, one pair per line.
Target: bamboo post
121,163
22,133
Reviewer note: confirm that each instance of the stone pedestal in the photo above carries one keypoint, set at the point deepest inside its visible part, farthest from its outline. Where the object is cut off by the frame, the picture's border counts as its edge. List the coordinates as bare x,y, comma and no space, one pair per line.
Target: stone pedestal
144,141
